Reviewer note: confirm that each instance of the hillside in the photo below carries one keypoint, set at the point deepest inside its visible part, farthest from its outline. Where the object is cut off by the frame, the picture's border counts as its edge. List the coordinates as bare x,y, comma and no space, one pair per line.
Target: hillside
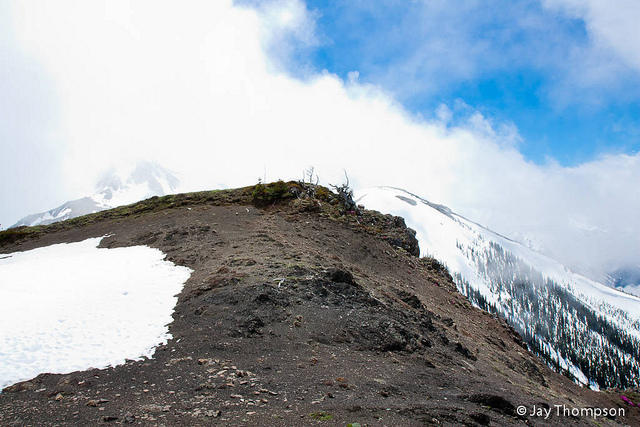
582,328
299,314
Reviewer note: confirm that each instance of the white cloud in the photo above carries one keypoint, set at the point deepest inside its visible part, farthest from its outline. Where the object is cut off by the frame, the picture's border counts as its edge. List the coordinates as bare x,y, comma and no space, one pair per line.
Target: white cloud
611,24
192,88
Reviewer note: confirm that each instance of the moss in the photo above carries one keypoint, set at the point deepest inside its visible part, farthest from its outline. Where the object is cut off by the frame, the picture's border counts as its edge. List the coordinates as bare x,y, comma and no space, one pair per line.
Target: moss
323,193
274,192
19,233
321,416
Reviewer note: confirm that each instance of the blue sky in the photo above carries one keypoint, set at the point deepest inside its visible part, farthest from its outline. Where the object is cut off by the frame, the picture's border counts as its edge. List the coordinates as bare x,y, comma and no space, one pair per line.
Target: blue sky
523,116
514,62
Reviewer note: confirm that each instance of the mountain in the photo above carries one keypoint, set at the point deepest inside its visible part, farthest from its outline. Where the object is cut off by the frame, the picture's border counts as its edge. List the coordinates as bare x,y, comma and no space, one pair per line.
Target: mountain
580,327
626,279
146,180
299,311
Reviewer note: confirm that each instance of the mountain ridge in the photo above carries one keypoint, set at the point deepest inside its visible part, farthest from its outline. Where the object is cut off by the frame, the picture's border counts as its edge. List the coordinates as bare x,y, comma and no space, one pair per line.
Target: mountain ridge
299,312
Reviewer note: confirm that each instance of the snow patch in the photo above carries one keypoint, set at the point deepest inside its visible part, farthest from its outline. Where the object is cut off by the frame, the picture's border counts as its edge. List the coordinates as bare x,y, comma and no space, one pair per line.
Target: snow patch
75,306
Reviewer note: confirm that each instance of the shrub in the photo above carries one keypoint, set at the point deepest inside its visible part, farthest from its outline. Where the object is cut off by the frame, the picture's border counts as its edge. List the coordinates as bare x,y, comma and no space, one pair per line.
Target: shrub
270,193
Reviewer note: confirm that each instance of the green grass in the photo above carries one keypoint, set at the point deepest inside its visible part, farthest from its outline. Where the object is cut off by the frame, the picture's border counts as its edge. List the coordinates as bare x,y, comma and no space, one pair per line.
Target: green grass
321,416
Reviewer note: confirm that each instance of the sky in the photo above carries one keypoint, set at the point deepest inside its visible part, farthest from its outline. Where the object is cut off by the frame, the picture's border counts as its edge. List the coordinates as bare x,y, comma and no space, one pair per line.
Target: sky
522,116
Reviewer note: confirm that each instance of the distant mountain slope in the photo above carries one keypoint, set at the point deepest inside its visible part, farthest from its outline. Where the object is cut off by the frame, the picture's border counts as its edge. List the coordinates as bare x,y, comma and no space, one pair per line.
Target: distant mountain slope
626,279
148,179
576,325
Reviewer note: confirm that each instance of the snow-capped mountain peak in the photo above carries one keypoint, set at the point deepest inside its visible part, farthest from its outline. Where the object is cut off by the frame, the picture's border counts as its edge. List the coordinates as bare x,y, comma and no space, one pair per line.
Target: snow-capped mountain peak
146,179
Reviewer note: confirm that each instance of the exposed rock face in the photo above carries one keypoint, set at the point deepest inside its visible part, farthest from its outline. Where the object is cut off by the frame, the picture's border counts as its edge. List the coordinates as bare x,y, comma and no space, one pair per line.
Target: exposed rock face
294,316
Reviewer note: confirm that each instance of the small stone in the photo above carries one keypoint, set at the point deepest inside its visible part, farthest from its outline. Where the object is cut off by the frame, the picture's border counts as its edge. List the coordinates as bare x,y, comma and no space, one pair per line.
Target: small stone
59,397
109,418
251,413
92,403
129,417
212,413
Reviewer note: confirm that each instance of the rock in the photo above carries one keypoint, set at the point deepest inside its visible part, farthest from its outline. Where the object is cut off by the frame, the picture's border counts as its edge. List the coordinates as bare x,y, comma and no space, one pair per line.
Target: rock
480,418
212,413
340,276
465,351
495,402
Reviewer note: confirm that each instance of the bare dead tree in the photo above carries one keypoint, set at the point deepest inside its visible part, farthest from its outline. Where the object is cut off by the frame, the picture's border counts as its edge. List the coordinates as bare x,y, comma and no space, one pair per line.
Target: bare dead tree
345,196
307,183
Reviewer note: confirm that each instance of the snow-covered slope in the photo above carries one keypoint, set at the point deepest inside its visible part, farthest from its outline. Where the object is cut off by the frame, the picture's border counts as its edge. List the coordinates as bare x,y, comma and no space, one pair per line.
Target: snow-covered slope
147,180
579,326
74,306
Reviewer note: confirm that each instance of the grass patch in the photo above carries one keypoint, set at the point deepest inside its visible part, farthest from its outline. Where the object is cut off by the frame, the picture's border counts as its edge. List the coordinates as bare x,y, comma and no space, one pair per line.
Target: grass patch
321,416
274,192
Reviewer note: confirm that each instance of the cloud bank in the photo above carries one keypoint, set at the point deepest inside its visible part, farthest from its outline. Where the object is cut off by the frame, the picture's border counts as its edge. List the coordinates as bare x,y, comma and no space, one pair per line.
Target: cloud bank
204,90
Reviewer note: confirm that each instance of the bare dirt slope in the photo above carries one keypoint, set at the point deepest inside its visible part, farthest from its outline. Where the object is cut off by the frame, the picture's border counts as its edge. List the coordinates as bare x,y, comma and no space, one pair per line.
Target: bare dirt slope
298,316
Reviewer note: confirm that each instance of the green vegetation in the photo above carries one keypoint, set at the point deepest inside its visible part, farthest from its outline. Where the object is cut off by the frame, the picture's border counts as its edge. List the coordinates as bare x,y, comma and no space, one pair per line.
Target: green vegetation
321,416
19,233
274,192
324,194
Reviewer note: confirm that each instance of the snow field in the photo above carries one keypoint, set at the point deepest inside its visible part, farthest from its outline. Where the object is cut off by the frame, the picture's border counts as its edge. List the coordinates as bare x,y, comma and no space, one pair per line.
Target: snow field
74,306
